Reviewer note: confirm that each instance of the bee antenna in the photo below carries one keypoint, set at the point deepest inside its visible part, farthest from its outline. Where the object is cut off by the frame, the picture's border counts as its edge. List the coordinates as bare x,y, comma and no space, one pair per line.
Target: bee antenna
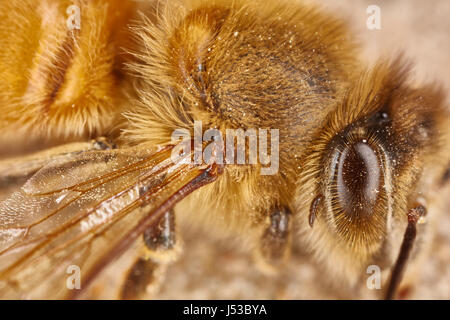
313,209
408,241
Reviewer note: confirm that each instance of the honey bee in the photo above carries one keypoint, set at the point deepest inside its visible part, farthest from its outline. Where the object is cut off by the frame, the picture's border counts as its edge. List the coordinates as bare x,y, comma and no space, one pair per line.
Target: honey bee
360,154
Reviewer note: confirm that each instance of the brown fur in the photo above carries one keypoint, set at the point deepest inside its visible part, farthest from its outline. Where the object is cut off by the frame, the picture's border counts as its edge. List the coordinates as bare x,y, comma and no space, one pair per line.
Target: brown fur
225,63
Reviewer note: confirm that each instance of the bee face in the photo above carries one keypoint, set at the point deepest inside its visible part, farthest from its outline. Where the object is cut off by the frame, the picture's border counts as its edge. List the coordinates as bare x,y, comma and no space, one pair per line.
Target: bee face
367,165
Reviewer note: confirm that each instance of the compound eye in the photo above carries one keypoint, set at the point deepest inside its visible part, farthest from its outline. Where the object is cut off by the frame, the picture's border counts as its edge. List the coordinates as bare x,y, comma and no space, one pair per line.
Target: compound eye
358,180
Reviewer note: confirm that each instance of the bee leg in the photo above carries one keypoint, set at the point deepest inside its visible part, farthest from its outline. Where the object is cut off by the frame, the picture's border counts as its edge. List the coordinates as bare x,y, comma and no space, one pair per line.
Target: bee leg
160,240
143,279
409,239
147,272
274,245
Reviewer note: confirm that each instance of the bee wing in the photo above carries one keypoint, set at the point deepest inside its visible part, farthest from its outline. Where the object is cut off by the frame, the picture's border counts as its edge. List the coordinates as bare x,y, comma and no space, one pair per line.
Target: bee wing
17,169
83,211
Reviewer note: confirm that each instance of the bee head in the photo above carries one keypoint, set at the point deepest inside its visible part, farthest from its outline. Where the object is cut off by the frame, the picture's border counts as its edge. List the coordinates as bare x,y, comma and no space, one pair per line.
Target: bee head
366,168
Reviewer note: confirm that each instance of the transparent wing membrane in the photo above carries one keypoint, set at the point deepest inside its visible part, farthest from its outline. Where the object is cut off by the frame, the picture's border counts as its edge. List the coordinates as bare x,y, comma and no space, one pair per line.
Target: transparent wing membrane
84,210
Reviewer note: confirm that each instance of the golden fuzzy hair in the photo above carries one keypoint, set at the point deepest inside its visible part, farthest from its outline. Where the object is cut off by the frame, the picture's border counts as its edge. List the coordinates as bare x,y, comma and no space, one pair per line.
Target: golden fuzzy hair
59,82
410,126
238,64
